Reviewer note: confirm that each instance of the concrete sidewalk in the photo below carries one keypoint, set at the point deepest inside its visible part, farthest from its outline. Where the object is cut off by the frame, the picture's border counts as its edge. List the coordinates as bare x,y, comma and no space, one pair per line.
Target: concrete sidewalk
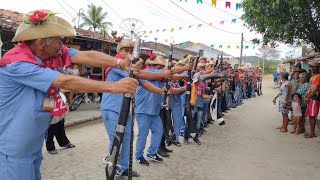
85,112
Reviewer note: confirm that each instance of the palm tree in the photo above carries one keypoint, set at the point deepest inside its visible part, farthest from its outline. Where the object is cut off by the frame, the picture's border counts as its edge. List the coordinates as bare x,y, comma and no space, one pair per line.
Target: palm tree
95,18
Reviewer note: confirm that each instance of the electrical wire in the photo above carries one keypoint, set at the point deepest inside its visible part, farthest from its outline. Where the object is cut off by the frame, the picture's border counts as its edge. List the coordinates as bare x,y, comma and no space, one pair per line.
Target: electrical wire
167,12
112,9
150,7
202,20
54,8
221,10
70,6
64,9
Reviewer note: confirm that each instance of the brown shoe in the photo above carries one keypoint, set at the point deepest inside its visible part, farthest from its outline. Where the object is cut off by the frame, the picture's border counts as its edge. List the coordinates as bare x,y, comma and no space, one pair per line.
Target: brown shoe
69,145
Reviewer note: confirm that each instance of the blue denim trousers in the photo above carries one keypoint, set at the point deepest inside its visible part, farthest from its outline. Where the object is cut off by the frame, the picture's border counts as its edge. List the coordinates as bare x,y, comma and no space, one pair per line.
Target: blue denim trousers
145,123
110,121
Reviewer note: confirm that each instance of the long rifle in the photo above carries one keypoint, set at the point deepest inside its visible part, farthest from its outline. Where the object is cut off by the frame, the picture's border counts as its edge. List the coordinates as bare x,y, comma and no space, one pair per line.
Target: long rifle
112,158
165,110
190,122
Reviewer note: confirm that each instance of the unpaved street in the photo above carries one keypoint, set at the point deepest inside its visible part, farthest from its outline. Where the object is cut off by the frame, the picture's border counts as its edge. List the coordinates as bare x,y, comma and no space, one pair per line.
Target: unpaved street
248,147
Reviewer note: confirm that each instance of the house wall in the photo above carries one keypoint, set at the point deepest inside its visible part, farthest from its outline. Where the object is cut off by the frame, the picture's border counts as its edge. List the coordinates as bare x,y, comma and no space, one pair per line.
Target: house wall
207,52
305,65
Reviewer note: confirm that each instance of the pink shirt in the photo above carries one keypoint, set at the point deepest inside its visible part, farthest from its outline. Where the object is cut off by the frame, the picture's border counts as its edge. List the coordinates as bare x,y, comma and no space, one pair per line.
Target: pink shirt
296,109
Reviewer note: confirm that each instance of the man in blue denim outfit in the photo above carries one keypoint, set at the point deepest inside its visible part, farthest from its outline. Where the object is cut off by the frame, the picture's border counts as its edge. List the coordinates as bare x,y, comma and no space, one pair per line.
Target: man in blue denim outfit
25,87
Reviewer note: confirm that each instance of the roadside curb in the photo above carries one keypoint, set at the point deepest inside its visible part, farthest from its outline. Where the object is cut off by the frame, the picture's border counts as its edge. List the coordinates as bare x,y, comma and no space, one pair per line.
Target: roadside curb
80,121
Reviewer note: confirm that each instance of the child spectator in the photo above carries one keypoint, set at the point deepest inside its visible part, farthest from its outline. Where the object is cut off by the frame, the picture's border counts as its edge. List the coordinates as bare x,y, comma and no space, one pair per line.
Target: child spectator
296,112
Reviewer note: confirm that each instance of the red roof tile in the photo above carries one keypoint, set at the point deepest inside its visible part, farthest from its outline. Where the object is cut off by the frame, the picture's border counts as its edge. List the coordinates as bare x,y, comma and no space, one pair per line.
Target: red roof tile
10,20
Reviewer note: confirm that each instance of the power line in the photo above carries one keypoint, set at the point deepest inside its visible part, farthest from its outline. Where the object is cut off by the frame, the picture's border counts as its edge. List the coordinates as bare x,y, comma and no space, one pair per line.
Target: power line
201,19
171,15
150,8
53,8
70,6
65,9
220,9
112,9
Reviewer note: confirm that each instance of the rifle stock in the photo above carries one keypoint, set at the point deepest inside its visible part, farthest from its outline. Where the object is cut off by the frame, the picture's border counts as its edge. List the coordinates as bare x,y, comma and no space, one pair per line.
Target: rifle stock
165,111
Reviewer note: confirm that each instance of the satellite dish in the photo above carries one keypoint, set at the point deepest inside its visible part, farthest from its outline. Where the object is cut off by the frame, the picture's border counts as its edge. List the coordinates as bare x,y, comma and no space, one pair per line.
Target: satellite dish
132,28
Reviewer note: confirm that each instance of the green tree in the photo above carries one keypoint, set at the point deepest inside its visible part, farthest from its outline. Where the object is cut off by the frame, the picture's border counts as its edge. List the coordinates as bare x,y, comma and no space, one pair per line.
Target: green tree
95,18
268,54
288,21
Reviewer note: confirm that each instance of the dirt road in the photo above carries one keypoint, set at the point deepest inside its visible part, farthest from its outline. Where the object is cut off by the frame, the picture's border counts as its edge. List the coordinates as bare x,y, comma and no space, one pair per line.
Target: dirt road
248,147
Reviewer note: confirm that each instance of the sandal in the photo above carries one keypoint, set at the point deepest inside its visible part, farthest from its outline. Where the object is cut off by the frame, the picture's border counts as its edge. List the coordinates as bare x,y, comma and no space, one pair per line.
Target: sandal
307,135
69,145
283,130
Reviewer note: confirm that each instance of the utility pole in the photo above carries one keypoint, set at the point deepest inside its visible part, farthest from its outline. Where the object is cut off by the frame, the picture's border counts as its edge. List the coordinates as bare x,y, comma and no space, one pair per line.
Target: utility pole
79,15
241,49
263,65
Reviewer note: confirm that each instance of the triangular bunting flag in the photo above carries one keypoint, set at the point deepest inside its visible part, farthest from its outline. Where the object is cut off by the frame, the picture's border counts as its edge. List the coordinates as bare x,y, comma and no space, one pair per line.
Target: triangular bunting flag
263,46
212,46
155,39
214,3
158,30
238,47
246,47
144,32
238,5
228,46
228,4
222,22
199,25
233,20
210,24
253,47
180,28
199,1
166,40
172,29
164,30
190,26
150,32
220,46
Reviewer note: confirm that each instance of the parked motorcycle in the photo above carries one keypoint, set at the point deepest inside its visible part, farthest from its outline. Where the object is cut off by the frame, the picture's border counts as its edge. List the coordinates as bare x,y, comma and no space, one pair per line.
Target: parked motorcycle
83,97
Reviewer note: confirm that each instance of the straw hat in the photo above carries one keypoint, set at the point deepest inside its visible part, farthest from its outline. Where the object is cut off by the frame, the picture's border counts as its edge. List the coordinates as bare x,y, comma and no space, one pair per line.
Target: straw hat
201,65
313,63
202,57
156,60
211,62
125,43
166,62
181,62
186,58
42,24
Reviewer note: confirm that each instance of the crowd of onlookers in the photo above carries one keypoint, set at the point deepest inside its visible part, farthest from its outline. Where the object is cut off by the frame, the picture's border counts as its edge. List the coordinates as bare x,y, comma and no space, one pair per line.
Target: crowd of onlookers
298,98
